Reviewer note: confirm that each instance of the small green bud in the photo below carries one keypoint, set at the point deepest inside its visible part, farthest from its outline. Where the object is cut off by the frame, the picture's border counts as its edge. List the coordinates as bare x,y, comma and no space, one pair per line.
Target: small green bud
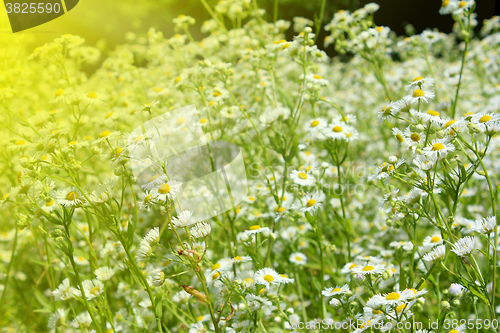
440,134
456,303
445,305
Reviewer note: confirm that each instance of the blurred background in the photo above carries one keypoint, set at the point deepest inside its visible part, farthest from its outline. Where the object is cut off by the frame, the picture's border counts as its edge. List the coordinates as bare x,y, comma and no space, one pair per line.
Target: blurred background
106,21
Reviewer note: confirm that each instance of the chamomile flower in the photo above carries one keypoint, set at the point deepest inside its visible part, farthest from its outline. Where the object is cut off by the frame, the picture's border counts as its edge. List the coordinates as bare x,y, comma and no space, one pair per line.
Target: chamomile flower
387,112
298,258
267,277
315,79
484,120
152,237
439,148
302,178
448,7
437,254
419,95
167,191
464,246
148,198
316,125
431,241
257,229
64,291
57,318
420,82
425,162
241,259
368,269
329,292
430,116
485,225
104,273
462,6
312,201
92,288
70,197
338,131
157,278
201,230
183,219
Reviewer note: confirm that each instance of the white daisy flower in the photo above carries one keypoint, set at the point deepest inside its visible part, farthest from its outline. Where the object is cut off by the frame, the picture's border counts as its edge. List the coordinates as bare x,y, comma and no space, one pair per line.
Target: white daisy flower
437,254
147,200
267,277
182,220
257,229
152,237
464,246
430,116
315,79
79,260
167,191
302,178
241,259
104,273
329,292
298,258
484,120
368,269
201,230
439,148
316,125
421,82
154,182
431,241
64,291
312,201
485,225
448,7
157,277
419,95
456,289
57,318
69,197
143,252
92,288
425,162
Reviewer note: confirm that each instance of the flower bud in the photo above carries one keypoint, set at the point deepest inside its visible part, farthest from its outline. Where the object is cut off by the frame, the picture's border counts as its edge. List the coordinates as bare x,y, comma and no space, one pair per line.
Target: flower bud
473,128
445,305
393,159
440,134
419,128
456,303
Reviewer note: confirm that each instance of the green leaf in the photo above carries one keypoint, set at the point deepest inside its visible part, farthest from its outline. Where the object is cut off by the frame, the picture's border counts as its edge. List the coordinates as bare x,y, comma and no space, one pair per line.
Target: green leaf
348,226
423,286
158,306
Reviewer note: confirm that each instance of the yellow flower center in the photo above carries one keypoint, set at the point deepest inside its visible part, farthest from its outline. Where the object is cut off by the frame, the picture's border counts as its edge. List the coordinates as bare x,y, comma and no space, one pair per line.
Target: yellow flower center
376,312
366,323
118,151
310,202
104,134
415,137
418,93
238,258
281,209
94,291
437,146
445,3
352,266
435,239
400,137
269,278
302,175
71,143
248,280
72,196
336,290
449,123
59,92
400,308
317,77
462,4
314,123
393,296
203,120
453,331
156,89
433,113
180,121
164,189
50,203
217,93
109,114
368,268
148,198
484,118
216,266
418,78
178,79
91,95
255,227
337,129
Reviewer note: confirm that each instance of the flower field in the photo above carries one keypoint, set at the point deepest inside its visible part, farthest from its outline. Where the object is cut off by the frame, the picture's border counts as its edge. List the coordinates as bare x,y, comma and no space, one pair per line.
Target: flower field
249,183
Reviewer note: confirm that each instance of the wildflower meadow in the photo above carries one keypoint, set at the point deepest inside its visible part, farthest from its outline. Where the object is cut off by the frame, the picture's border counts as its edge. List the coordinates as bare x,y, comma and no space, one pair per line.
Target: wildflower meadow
246,182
